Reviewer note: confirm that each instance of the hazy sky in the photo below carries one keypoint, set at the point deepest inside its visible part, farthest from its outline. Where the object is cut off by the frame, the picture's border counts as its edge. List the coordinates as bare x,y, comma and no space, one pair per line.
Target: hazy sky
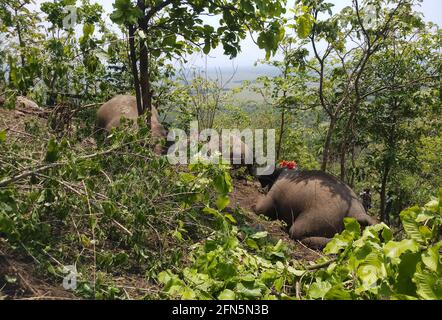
250,52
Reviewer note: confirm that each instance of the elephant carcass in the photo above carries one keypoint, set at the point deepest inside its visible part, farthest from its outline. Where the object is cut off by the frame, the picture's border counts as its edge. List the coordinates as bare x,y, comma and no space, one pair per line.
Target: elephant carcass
125,106
313,204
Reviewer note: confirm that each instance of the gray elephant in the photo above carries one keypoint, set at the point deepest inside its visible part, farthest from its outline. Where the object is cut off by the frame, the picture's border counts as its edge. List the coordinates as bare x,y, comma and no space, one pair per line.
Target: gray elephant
313,204
111,112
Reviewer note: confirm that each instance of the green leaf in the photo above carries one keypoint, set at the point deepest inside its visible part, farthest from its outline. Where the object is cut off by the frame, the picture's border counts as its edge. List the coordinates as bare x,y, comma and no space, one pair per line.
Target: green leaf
170,40
304,25
406,270
2,136
269,276
223,183
252,243
225,271
433,205
319,289
247,292
88,30
339,242
338,293
429,285
279,283
431,257
125,12
230,218
387,234
259,235
52,151
408,218
352,225
222,202
368,274
172,284
214,212
394,249
227,295
187,177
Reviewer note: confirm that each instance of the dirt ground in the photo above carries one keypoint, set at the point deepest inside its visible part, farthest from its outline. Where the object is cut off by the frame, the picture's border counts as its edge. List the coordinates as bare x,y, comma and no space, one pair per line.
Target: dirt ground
15,122
18,280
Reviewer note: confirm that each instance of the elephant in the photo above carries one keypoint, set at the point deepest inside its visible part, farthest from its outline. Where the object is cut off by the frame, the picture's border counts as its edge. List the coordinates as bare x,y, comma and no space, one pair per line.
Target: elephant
111,112
241,155
313,204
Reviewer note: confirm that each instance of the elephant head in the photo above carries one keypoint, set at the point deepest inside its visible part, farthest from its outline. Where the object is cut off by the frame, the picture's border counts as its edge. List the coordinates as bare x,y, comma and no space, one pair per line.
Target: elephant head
267,181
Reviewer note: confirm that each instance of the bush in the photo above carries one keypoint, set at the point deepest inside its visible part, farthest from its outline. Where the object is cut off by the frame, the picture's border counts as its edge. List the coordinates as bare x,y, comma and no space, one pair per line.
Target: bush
366,264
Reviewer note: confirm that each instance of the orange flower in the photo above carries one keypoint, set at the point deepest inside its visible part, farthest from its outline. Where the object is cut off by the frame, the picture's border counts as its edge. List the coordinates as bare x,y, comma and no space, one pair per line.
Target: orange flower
292,165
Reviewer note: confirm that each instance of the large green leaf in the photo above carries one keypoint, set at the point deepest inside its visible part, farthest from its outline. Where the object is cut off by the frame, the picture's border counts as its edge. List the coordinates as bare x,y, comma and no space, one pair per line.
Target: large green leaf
250,292
394,249
429,285
222,202
304,25
319,289
408,218
431,257
406,270
352,225
227,295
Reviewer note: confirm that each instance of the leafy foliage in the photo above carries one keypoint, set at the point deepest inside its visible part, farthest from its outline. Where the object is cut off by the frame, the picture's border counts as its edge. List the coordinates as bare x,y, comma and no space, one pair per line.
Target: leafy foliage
119,209
368,264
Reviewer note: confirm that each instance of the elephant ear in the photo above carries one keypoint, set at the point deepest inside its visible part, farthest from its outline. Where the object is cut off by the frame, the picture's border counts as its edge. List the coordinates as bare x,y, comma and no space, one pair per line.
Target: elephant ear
269,180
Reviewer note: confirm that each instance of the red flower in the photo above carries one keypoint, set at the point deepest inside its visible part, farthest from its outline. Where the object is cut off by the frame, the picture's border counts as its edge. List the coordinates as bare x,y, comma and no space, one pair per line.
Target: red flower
292,165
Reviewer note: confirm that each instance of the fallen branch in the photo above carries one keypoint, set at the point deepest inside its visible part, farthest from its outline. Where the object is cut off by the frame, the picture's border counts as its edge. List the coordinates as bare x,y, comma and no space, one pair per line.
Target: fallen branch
320,265
29,173
32,171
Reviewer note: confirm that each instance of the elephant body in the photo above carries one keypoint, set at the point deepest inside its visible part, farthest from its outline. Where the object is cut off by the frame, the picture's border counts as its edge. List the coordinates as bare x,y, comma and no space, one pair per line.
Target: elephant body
110,113
313,204
240,153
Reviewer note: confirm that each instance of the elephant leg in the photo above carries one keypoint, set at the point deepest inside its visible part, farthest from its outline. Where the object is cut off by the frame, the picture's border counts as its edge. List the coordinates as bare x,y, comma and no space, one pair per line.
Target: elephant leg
300,230
317,243
365,220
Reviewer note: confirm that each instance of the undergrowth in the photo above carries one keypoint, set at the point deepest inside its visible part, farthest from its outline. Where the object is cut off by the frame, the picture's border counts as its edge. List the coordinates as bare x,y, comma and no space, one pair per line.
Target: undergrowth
118,212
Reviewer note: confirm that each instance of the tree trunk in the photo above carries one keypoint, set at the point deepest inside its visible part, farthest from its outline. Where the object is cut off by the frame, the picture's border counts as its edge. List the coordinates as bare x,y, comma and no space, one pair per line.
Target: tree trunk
386,172
327,145
281,134
346,138
353,164
342,158
144,78
20,41
144,64
22,45
133,61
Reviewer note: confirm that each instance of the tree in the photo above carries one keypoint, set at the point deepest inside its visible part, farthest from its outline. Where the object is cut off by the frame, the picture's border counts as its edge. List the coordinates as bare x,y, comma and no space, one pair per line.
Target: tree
405,75
351,38
172,28
286,92
18,25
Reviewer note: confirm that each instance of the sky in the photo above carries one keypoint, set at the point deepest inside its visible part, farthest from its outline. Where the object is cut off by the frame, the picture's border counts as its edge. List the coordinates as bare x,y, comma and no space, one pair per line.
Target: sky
250,53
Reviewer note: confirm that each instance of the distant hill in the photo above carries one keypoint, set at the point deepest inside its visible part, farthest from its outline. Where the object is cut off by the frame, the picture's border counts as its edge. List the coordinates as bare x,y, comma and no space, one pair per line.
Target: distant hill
236,76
